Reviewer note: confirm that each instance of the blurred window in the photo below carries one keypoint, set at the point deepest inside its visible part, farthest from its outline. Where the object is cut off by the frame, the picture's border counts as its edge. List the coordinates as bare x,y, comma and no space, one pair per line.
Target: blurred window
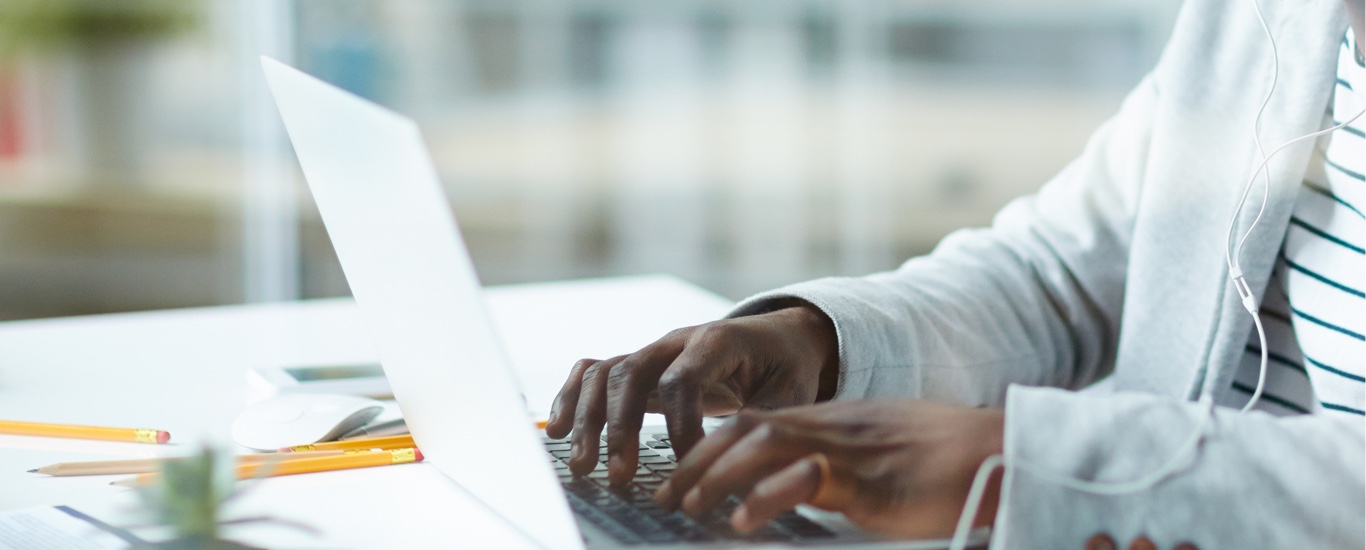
741,145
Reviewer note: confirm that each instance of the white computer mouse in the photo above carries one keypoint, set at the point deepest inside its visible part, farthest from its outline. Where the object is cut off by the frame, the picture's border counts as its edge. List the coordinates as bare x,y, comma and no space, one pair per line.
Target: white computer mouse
291,419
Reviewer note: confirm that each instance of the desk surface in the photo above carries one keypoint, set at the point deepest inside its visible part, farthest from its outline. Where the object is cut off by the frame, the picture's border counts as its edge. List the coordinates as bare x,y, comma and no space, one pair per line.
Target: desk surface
184,371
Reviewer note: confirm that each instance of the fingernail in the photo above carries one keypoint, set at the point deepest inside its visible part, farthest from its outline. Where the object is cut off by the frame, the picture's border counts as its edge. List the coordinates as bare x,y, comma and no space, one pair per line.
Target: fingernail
692,502
739,520
663,495
575,456
614,465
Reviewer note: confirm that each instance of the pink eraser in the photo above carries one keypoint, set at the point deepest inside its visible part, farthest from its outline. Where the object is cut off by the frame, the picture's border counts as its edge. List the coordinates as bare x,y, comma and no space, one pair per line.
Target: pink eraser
163,437
417,455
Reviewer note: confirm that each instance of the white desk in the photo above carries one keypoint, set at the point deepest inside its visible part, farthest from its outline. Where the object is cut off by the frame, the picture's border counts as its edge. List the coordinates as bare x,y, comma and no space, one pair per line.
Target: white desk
183,371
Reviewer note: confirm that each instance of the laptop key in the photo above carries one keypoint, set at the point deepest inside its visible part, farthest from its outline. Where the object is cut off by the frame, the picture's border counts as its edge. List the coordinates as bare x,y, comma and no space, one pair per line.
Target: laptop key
581,486
630,515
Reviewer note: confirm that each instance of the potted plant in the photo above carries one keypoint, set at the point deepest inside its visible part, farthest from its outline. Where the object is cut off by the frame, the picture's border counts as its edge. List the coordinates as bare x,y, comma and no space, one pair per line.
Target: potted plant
189,499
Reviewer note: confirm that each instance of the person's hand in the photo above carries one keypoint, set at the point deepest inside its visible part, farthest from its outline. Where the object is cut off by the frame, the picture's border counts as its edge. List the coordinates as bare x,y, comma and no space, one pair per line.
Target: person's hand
778,359
901,467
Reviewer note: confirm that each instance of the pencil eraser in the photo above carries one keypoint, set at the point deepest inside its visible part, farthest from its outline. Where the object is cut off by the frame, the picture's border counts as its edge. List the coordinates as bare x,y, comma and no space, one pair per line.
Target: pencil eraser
417,454
163,437
285,450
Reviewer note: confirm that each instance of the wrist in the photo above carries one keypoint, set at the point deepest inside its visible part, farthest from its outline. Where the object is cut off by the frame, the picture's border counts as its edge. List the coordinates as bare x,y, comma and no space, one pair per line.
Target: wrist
820,333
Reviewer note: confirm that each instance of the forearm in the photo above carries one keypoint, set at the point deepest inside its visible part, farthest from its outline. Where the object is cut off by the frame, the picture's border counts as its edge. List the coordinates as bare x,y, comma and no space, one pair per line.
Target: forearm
962,324
1034,299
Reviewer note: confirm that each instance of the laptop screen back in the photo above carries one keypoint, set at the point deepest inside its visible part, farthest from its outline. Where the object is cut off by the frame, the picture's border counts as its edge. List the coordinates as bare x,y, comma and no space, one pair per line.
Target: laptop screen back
409,270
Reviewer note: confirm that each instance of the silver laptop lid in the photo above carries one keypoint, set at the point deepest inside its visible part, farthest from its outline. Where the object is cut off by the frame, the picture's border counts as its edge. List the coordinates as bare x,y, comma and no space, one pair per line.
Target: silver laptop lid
411,274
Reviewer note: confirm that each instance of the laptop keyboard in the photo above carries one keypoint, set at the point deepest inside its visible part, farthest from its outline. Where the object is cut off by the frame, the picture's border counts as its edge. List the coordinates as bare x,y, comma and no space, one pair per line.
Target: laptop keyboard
630,515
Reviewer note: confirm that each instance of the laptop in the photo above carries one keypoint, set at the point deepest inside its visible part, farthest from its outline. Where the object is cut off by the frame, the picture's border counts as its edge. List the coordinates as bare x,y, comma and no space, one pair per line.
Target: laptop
410,272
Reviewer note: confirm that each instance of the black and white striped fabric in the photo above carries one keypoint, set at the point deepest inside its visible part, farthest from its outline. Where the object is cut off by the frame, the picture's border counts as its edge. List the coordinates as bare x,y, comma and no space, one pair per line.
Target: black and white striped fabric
1314,311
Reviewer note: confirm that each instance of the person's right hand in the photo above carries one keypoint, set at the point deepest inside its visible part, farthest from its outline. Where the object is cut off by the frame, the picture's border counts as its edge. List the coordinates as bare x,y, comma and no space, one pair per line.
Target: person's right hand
782,358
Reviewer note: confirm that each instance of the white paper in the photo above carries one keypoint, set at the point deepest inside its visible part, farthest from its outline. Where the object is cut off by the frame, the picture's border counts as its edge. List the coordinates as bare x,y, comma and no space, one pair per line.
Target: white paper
58,528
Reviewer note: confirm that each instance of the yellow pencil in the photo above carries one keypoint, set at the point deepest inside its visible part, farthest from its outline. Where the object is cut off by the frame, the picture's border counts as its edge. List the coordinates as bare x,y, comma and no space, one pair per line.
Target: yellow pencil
144,465
15,427
303,466
386,442
383,443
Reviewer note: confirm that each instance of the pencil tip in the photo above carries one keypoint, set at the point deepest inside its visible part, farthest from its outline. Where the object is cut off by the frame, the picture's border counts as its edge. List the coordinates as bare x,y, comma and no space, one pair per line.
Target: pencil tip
33,471
125,482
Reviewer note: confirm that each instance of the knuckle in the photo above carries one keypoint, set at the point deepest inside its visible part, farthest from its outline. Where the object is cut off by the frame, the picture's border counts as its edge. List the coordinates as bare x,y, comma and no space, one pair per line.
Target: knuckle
622,375
584,363
621,439
595,370
678,333
676,380
614,435
713,334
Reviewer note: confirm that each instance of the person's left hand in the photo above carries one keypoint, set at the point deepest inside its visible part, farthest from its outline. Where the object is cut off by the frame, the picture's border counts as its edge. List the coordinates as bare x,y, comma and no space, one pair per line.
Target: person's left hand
900,467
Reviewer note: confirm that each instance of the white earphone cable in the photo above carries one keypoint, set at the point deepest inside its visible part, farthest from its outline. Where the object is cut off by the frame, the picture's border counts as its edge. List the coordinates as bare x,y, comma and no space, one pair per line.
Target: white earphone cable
970,508
1232,256
1257,123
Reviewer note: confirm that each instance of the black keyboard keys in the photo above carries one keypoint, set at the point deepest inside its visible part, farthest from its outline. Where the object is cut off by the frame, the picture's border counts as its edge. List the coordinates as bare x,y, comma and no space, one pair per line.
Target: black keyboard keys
630,515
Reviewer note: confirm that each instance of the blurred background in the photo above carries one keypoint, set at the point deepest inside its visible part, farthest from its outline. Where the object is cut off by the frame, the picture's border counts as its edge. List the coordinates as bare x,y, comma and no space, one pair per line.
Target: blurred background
739,144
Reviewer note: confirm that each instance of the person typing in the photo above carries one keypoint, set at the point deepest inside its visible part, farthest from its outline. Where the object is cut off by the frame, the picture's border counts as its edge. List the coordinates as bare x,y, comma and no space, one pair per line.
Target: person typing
883,396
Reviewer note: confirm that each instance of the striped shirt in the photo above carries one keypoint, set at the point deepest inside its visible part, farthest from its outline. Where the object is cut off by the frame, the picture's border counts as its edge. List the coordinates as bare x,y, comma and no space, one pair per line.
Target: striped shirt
1314,311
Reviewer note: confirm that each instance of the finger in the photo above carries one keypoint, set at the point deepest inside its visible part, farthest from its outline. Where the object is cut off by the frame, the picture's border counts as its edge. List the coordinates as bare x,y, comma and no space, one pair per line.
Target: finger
704,360
778,493
690,469
761,452
628,388
589,416
562,408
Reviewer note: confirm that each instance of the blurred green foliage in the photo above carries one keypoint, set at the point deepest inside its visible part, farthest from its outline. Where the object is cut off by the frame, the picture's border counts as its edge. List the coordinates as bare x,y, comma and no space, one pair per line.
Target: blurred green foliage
45,25
189,497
